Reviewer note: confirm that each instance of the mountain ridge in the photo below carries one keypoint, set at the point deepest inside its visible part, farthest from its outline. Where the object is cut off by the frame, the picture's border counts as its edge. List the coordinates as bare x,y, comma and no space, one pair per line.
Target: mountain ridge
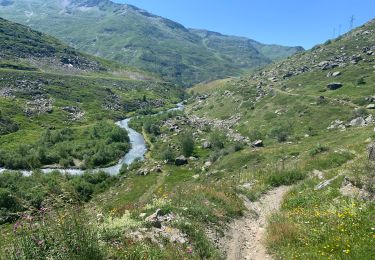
143,40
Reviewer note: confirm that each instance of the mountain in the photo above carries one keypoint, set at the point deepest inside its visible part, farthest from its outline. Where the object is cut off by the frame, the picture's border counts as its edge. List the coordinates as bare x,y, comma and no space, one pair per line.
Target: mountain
307,126
58,105
137,38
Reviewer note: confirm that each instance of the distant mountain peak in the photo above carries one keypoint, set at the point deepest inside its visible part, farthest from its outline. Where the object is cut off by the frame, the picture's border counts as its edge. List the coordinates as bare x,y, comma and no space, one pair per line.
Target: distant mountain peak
137,38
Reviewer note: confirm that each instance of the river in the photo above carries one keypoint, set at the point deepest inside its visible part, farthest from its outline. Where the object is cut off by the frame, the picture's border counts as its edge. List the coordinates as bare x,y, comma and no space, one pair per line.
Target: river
137,151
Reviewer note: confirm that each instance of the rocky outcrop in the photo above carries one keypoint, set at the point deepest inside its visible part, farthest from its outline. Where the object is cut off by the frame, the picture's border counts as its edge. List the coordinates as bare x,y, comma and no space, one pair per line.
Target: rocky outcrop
75,113
39,105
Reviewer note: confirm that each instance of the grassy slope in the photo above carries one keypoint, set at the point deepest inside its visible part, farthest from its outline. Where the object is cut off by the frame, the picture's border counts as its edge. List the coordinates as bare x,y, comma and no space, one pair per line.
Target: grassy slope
35,72
312,223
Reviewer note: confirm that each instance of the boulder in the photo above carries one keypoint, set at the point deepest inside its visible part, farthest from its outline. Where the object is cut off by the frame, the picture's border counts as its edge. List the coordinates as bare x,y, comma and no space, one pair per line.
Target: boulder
337,124
334,86
371,106
371,152
143,172
154,218
336,73
370,119
181,160
257,143
206,145
208,164
359,121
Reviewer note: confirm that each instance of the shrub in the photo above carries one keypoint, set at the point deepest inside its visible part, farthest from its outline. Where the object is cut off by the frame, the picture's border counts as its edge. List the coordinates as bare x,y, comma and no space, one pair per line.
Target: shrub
318,149
255,135
288,177
280,133
187,143
361,81
167,153
217,139
360,112
66,235
8,201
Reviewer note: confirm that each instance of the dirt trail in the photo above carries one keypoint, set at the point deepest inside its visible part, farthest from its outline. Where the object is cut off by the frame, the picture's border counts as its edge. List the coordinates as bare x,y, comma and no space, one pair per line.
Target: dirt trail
247,233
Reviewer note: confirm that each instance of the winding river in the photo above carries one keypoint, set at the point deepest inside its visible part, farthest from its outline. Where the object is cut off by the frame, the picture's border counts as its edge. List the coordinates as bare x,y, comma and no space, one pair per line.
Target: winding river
137,151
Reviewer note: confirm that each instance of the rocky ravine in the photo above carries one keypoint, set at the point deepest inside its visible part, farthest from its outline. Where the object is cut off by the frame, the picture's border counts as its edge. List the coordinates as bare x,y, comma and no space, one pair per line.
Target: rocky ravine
245,240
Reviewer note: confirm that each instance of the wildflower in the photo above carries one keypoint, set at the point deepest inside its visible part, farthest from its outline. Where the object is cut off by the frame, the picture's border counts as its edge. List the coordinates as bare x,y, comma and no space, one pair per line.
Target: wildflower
16,226
189,250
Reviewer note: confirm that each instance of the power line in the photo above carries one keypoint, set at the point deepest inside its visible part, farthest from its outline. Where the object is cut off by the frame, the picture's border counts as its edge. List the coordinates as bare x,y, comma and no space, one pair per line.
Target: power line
352,19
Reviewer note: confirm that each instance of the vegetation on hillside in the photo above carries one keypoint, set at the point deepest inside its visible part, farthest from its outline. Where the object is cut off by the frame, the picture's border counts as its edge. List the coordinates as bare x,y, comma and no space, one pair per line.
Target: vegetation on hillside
304,122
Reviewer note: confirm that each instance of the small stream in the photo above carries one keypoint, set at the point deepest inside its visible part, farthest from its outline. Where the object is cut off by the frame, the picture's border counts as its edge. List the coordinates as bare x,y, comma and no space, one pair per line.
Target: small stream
137,151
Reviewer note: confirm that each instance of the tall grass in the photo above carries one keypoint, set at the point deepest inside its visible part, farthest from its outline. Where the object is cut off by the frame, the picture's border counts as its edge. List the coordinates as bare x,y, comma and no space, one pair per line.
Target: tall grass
64,234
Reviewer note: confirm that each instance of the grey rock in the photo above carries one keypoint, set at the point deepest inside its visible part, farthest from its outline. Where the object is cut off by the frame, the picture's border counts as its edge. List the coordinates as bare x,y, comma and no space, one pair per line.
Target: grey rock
325,183
371,152
257,143
206,145
181,160
371,106
337,124
143,172
359,121
334,85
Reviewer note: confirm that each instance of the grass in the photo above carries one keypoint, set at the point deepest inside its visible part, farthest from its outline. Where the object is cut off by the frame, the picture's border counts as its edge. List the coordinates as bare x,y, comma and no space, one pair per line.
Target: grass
321,224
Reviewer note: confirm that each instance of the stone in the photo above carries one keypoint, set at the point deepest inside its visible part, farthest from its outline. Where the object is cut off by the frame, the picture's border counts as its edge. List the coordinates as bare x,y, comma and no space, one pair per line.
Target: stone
334,85
371,152
206,145
181,160
318,174
207,164
370,119
325,183
359,121
143,172
257,143
336,73
336,124
158,169
371,106
288,74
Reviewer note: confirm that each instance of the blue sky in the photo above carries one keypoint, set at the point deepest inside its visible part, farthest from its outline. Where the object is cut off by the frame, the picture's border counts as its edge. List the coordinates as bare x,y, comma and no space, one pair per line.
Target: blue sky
287,22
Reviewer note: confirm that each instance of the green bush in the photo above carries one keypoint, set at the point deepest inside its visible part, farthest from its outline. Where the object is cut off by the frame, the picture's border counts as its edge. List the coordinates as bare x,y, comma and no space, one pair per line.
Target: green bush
217,139
360,112
255,135
279,178
187,143
98,145
167,153
318,149
361,81
61,235
280,133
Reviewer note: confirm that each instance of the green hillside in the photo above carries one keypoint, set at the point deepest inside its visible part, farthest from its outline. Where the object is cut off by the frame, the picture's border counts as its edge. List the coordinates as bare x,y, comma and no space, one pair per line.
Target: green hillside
58,105
137,38
277,164
309,120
